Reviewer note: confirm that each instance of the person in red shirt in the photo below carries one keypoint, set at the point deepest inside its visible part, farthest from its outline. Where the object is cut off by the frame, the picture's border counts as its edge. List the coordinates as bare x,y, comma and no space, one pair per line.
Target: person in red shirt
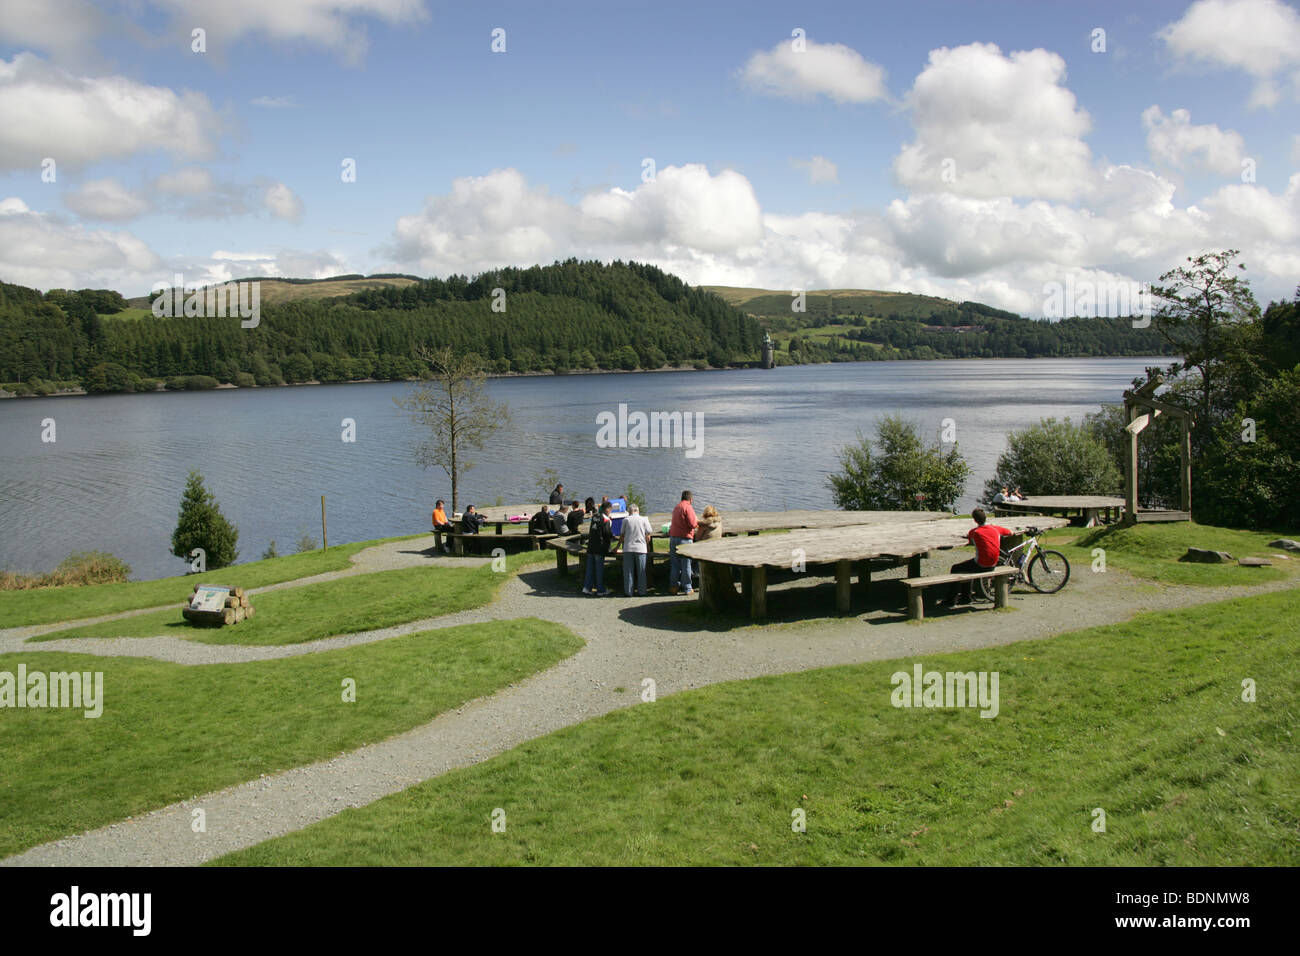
986,538
681,531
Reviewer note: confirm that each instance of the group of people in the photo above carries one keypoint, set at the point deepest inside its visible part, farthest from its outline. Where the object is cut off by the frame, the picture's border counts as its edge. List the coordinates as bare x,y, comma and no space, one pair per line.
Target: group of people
1008,495
633,539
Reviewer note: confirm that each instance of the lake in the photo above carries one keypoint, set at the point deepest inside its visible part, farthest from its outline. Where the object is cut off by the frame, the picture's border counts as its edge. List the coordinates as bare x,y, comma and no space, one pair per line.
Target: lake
112,479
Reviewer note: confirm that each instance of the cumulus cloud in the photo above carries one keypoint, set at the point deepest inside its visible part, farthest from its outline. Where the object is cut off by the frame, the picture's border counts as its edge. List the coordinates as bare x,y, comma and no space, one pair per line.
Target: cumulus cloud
333,24
78,120
106,199
283,203
1259,37
43,252
66,29
1174,140
801,69
820,170
989,125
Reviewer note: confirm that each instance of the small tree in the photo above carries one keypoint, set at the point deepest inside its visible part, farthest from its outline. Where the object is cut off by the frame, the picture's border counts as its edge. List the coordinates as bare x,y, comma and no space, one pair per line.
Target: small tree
898,472
546,483
202,525
1055,458
454,407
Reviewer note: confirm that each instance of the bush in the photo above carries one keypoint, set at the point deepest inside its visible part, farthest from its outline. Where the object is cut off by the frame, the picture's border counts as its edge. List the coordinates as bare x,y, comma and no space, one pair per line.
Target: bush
78,568
902,474
1055,458
306,542
245,380
110,377
270,551
188,382
202,525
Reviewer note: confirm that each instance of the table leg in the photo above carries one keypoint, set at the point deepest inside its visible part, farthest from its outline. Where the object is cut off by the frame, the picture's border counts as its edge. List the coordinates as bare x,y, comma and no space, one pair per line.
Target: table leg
758,592
843,577
914,566
915,603
864,577
561,560
1001,586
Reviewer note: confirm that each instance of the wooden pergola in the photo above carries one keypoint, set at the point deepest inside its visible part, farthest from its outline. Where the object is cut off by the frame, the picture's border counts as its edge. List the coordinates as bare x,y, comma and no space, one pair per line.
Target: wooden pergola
1141,407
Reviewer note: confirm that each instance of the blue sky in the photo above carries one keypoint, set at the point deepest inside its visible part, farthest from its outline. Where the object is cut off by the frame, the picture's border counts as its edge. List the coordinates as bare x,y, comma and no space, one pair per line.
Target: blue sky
773,169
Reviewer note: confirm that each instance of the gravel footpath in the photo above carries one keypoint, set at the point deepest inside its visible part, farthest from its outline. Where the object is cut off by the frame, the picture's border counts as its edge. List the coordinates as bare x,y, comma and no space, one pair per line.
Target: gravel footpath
628,639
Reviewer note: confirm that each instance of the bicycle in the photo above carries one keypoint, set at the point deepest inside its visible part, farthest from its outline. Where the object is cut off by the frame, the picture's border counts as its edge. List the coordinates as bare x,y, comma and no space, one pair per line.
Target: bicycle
1044,570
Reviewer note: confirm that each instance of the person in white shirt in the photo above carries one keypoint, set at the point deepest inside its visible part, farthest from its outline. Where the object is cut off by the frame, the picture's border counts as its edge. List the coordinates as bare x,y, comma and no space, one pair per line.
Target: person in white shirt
636,531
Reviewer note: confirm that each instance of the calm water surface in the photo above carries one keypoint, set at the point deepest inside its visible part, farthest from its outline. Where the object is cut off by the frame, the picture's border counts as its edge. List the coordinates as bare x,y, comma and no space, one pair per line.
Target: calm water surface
112,480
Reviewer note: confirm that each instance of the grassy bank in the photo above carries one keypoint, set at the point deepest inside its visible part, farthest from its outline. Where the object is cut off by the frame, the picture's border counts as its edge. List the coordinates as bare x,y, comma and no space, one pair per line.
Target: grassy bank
47,605
361,602
168,732
1144,720
1152,551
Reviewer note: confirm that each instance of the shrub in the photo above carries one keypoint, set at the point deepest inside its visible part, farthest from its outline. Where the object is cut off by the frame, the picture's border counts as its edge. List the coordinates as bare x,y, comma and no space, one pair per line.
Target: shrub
245,380
202,525
78,568
898,472
1055,458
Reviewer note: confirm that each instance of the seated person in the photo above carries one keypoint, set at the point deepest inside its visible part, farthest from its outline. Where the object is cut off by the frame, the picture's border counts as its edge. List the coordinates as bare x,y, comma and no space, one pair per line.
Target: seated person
710,525
1001,496
1016,495
540,523
440,522
471,521
560,520
575,516
986,538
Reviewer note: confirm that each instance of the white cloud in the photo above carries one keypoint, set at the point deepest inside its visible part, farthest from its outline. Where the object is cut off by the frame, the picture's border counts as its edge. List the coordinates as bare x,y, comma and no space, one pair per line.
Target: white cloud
989,125
106,199
67,29
274,102
283,203
41,251
819,69
1259,37
187,181
1174,140
820,170
334,24
78,120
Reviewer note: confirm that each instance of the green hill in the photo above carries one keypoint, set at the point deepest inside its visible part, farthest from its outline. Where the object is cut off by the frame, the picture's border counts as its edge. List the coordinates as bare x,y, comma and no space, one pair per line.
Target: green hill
276,290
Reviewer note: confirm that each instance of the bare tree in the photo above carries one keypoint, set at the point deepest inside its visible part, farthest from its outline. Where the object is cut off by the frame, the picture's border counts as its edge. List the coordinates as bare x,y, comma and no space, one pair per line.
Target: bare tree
454,408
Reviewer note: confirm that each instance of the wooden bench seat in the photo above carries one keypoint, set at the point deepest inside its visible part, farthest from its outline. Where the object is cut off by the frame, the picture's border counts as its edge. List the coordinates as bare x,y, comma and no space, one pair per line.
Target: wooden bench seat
457,539
916,587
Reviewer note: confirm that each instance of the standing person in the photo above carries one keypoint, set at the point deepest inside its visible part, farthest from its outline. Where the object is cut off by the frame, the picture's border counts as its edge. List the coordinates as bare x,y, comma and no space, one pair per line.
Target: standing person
710,525
681,531
986,538
560,520
590,508
599,538
557,496
635,534
575,516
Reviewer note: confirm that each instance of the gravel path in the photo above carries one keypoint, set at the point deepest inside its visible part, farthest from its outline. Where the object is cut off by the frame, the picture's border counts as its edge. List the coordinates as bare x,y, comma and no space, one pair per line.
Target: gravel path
628,639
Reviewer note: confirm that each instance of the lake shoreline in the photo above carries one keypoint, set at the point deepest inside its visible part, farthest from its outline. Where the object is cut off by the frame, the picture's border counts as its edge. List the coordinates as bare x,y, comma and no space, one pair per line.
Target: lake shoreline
227,386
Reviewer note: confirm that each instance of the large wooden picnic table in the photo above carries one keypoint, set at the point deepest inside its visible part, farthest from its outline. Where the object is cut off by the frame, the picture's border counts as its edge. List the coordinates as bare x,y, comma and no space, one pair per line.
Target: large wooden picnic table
1088,508
894,541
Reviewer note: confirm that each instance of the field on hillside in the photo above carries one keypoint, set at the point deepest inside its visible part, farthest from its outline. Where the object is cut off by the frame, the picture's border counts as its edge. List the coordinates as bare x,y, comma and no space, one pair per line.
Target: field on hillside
277,290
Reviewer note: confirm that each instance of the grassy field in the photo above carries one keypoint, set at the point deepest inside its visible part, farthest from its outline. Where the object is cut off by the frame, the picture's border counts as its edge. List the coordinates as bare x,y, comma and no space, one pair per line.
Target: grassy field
168,732
1144,720
1152,551
359,603
47,605
272,291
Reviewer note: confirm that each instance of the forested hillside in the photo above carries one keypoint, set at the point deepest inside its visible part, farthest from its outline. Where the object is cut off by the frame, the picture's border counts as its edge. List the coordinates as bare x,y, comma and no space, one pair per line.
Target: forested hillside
571,315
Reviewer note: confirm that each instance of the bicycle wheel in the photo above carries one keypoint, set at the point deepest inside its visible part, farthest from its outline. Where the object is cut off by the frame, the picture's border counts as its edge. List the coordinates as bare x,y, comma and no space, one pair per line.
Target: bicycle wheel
986,585
1048,572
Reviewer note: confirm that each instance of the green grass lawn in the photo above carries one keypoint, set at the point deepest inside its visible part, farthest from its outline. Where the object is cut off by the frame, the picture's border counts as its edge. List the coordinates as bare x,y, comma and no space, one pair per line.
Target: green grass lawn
48,605
1152,551
1144,720
169,732
362,602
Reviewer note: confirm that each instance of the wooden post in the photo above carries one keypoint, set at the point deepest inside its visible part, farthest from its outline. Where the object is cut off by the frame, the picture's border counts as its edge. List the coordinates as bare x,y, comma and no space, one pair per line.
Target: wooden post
864,576
746,584
562,560
324,539
1131,469
1186,472
712,594
916,603
1001,587
843,578
458,544
914,566
758,592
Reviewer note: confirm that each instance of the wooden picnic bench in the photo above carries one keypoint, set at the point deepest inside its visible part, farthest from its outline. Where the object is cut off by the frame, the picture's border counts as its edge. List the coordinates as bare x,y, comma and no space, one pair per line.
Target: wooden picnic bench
458,538
916,587
574,546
